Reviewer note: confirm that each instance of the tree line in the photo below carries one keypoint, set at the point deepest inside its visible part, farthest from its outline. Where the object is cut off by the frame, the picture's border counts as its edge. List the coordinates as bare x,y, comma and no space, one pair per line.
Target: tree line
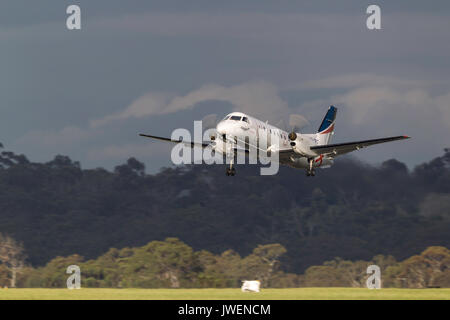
173,264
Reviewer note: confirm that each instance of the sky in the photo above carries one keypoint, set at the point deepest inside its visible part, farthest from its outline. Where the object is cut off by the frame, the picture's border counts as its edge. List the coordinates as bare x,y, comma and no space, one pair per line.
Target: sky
154,66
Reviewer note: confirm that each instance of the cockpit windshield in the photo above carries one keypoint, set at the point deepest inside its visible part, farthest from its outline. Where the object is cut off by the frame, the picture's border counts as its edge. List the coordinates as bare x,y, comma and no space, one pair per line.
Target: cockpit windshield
237,118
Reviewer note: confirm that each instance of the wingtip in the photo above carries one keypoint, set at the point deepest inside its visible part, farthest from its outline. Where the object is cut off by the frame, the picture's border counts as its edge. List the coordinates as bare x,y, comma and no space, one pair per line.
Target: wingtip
406,137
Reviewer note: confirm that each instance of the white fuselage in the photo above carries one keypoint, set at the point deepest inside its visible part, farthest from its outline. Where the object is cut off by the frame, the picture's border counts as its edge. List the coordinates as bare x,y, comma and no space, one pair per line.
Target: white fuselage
238,126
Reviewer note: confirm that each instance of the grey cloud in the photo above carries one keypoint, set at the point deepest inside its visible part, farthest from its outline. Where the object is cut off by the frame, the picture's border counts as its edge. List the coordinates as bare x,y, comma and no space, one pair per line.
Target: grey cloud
68,135
253,97
371,111
357,80
157,65
120,153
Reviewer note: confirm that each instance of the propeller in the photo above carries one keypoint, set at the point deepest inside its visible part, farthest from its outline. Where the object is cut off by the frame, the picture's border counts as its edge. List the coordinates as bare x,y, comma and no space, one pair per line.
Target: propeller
296,122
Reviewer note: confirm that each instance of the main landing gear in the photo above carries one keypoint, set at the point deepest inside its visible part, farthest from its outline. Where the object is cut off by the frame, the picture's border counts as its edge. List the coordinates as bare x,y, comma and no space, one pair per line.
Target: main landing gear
231,171
310,171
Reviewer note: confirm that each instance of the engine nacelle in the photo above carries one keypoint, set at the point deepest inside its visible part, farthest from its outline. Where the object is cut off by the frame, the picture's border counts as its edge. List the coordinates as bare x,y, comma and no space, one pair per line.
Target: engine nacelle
301,147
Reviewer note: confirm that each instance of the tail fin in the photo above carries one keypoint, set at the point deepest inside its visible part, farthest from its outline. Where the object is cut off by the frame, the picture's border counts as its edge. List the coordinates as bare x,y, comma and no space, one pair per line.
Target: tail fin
326,129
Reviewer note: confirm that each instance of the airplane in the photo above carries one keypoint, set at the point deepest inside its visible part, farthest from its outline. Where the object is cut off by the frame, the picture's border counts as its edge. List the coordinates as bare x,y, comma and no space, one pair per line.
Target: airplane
297,150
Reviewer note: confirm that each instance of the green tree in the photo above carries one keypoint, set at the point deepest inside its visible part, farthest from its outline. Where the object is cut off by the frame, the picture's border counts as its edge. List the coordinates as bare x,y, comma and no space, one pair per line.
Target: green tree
324,276
169,263
421,271
12,256
263,262
53,274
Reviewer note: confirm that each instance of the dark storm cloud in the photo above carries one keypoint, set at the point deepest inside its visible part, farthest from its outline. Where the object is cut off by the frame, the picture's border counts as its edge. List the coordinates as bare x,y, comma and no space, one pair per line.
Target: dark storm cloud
87,93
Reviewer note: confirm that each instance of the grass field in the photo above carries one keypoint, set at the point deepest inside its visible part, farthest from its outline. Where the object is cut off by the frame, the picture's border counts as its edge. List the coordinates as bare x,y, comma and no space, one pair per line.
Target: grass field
223,294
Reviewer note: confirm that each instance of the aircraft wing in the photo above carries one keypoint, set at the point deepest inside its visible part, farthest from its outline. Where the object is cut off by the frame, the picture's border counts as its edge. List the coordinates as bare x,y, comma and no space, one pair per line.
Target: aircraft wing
337,149
191,144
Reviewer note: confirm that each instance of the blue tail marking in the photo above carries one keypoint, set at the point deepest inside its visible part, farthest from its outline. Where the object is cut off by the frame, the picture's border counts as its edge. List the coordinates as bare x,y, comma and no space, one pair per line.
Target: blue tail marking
329,118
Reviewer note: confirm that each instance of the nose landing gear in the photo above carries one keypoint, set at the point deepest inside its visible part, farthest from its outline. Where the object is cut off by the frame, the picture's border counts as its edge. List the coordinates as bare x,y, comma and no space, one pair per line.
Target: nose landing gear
231,171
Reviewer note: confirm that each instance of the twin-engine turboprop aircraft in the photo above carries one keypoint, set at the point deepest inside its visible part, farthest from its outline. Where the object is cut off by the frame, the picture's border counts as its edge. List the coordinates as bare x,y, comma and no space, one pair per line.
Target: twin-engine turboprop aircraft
306,151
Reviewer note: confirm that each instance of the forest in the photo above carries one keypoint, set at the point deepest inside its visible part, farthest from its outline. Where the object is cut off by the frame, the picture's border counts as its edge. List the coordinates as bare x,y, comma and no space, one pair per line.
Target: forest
354,211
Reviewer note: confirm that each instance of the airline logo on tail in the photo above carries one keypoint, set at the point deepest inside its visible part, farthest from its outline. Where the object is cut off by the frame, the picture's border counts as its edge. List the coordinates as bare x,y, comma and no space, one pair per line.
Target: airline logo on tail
327,126
328,122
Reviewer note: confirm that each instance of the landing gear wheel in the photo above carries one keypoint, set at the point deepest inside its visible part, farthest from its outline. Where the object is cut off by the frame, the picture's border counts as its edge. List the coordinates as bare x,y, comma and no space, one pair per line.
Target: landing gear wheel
230,172
308,173
313,173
